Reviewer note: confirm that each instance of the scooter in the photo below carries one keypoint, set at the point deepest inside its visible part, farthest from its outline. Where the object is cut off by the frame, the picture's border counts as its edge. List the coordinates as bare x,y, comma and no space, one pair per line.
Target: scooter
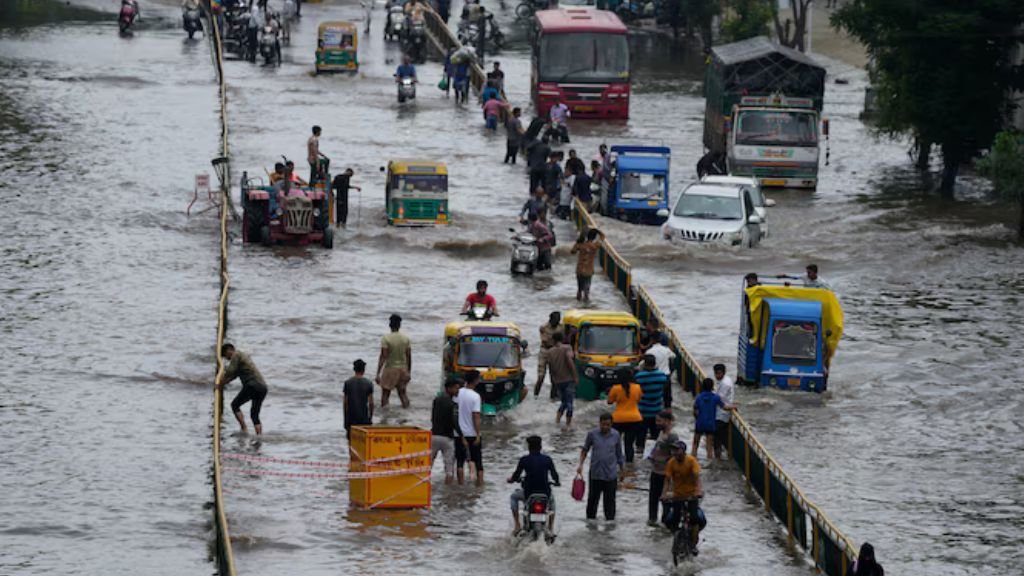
495,36
416,42
129,10
524,253
406,89
535,519
396,23
192,22
468,33
477,312
270,48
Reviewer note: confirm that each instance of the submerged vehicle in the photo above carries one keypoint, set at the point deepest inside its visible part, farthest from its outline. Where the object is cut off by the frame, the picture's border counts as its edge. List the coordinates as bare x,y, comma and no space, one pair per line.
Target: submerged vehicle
416,193
753,187
337,47
639,191
763,112
191,21
603,343
788,335
495,349
524,253
721,214
303,217
535,518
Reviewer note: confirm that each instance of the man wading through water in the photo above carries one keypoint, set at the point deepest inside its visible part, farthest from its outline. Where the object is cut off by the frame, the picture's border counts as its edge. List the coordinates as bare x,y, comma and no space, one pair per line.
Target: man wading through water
254,387
395,363
547,331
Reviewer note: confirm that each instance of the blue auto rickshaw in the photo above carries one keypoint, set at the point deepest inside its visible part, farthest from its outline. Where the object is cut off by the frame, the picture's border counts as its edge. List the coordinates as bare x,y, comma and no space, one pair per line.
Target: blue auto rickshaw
639,190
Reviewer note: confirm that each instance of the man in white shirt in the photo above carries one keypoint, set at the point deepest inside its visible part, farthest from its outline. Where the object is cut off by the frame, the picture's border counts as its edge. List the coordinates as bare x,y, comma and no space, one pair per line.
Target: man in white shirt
726,390
469,446
663,355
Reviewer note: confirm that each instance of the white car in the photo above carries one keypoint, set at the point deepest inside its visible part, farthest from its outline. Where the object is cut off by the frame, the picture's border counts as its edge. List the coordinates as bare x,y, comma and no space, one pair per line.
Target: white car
721,214
761,204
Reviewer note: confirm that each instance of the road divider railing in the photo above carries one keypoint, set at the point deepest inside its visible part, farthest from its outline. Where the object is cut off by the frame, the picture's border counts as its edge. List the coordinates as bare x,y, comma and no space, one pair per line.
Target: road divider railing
222,547
831,551
443,40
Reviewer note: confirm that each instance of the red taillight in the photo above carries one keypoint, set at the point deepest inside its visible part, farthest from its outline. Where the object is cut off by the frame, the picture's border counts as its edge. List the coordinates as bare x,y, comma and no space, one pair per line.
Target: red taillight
538,507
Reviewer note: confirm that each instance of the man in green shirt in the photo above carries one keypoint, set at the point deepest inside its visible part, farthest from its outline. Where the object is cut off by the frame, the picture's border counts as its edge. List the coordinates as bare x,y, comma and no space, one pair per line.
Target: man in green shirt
395,363
254,387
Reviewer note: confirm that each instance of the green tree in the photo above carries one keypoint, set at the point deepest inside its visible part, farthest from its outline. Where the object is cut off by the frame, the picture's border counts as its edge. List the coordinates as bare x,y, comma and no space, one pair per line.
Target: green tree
1005,166
747,19
943,69
791,32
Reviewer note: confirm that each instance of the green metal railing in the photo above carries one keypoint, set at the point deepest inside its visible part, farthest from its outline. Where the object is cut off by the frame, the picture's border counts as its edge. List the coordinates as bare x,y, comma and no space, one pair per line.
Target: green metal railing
831,550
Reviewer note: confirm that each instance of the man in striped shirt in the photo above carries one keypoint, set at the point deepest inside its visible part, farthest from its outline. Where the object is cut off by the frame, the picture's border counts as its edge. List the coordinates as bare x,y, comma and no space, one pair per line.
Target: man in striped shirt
657,396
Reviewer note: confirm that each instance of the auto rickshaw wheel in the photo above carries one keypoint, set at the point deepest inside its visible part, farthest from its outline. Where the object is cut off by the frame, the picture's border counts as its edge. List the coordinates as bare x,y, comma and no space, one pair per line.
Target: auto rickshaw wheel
265,235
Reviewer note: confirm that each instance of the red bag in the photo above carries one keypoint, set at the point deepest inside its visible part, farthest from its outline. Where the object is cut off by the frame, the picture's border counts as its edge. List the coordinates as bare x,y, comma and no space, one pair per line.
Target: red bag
579,487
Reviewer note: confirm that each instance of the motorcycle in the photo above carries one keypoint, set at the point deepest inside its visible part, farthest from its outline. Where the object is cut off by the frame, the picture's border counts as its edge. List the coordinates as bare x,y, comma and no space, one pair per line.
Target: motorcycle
524,253
557,132
535,518
477,312
192,22
495,37
270,48
395,29
406,89
525,10
468,33
416,42
129,10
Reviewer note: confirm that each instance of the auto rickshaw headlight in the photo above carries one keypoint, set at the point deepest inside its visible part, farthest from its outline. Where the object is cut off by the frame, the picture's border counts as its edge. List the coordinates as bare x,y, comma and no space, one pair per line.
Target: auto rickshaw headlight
588,372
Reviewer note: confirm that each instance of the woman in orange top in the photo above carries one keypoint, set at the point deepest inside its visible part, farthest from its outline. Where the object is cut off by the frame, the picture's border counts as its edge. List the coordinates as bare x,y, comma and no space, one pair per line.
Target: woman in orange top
627,418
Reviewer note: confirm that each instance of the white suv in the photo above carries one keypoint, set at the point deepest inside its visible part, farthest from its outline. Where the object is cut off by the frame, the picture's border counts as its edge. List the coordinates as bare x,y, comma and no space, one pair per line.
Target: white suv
714,214
761,204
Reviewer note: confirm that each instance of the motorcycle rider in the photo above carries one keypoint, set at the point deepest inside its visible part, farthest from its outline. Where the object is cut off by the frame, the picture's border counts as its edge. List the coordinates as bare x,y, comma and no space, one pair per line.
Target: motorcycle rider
545,240
559,114
188,6
134,6
481,297
534,469
405,70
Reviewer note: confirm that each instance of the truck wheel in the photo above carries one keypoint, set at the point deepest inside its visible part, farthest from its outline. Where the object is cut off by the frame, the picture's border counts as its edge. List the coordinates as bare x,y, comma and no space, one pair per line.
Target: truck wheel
328,238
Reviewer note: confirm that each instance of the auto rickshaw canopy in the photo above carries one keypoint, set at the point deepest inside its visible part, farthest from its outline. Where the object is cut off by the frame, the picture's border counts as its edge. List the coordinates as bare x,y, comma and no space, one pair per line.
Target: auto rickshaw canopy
831,311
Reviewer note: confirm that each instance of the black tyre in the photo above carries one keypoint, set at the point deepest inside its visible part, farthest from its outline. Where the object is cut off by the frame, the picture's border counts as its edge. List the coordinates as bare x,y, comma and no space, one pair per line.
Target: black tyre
265,235
328,238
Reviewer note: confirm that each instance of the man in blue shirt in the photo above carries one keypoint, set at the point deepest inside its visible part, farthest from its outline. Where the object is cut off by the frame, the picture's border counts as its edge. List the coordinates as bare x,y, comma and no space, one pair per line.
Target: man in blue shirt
657,395
534,469
405,70
705,412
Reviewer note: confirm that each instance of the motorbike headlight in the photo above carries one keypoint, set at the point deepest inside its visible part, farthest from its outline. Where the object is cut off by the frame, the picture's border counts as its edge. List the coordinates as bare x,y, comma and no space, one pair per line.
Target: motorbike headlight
588,372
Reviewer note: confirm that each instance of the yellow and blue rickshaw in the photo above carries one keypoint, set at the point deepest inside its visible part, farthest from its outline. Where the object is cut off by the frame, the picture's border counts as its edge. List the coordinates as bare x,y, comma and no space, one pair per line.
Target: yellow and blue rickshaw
337,47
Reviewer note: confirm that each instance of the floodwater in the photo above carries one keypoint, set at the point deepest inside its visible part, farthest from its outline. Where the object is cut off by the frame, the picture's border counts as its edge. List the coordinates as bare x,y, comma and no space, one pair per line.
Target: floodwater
110,323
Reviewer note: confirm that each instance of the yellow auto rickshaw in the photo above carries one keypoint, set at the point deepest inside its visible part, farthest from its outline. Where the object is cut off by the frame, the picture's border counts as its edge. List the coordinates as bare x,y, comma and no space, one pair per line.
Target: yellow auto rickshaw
603,343
496,350
337,47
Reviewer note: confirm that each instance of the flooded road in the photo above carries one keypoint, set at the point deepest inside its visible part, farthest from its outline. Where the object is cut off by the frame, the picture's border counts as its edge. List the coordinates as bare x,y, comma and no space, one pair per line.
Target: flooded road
110,320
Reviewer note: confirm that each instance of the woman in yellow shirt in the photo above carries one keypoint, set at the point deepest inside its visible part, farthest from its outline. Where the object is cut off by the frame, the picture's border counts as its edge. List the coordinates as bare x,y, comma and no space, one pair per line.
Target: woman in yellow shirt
627,418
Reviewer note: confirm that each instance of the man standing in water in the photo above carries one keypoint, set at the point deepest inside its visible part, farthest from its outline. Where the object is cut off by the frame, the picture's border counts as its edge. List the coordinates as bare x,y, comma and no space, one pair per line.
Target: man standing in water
563,376
553,326
313,155
444,421
726,390
341,185
470,446
254,387
357,399
394,365
586,251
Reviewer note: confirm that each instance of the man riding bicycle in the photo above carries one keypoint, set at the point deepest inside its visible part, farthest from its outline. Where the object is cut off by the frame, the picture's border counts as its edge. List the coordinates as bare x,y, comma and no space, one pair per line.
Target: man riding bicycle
682,491
534,469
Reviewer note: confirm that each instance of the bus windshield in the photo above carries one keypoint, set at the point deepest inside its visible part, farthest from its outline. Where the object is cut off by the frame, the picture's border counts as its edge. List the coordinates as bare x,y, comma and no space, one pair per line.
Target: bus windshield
430,184
617,340
488,352
771,128
583,56
794,342
640,186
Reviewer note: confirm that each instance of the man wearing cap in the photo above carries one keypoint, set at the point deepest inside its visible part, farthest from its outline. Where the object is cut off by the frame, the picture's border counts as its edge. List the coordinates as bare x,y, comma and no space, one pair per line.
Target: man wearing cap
394,365
357,399
682,488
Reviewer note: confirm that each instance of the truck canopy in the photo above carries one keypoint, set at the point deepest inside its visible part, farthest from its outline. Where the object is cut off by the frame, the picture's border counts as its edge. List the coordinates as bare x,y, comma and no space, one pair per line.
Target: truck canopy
759,67
762,300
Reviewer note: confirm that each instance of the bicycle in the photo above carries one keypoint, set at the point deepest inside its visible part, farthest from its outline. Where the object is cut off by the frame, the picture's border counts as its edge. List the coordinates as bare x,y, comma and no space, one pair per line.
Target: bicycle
685,534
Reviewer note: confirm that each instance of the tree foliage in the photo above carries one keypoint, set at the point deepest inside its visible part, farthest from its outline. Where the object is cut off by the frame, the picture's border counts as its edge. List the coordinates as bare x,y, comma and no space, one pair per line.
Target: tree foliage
748,18
1005,166
942,69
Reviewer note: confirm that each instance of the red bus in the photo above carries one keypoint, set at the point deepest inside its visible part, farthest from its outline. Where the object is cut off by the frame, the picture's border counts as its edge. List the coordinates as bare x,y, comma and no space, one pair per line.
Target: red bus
581,55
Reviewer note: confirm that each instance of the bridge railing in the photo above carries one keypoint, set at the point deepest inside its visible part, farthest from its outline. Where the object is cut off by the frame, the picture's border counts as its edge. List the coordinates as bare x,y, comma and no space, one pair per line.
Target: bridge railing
831,551
442,40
